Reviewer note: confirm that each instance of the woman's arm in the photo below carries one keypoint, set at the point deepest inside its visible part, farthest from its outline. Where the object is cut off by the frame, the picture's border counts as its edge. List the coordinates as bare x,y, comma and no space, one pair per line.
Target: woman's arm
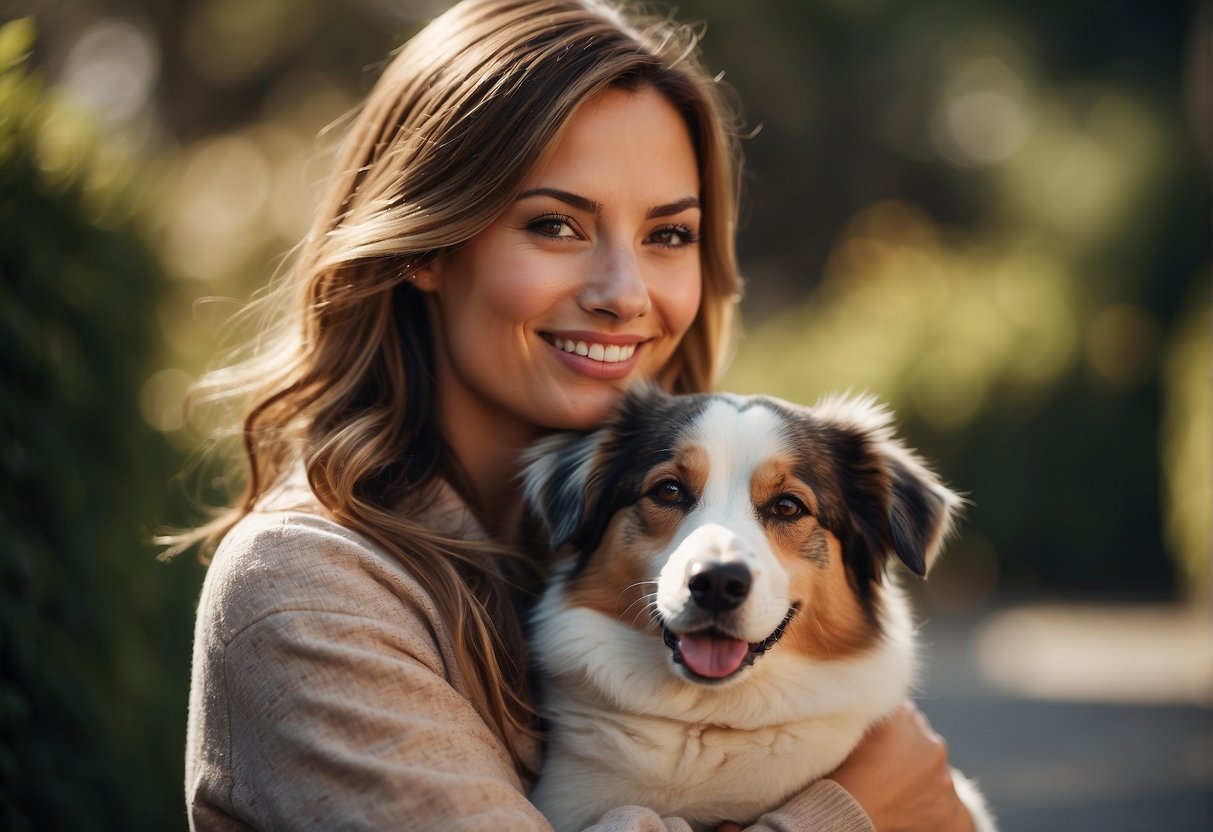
898,774
324,697
343,721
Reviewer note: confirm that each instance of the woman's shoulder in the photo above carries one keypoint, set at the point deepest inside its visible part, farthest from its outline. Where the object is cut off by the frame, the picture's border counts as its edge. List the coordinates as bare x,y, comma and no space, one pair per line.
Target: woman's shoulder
297,559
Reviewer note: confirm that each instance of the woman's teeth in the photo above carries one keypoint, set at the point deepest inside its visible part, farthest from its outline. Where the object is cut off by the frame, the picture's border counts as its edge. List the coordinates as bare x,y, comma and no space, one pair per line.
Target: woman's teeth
607,353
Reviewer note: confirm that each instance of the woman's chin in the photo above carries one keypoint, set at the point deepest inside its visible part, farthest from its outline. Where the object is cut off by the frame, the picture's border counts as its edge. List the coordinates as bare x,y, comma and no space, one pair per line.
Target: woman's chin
586,412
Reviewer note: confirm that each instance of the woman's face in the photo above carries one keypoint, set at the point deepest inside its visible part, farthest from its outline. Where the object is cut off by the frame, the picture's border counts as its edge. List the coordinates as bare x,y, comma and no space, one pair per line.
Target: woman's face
586,283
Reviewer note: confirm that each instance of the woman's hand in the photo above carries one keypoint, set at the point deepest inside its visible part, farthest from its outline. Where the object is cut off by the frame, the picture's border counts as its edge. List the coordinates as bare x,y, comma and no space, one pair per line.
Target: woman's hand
899,774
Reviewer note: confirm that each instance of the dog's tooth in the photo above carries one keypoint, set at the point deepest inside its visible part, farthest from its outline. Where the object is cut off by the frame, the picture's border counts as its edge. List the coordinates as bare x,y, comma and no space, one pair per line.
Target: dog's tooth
581,348
612,353
597,352
569,346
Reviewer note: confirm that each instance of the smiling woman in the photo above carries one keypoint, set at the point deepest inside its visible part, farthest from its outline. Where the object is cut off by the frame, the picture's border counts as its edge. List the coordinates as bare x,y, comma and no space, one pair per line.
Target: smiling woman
534,210
587,282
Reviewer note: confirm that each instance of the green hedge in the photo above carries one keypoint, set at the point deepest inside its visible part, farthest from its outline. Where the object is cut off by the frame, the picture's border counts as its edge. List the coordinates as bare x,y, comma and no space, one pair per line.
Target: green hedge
94,631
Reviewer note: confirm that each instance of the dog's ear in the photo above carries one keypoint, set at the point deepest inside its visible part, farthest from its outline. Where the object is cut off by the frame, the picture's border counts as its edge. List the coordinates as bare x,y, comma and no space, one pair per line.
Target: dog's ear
556,481
894,501
575,482
922,511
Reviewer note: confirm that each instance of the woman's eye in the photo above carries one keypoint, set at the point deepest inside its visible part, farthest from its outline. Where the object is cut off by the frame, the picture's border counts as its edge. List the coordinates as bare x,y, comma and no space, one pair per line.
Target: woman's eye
674,236
668,491
787,507
553,225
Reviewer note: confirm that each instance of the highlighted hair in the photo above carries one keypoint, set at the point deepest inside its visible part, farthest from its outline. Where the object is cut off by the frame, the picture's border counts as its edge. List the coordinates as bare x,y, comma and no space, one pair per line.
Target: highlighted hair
462,114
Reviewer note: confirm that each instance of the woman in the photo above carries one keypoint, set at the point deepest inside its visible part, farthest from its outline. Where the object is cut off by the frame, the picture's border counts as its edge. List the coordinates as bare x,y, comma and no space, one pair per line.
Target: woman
534,209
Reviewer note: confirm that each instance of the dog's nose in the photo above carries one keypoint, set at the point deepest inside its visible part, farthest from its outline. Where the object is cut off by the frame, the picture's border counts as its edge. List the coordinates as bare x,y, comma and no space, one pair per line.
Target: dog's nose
719,587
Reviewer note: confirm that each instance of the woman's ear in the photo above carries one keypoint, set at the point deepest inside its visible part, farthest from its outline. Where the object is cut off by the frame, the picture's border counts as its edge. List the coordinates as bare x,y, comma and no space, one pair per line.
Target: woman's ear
427,276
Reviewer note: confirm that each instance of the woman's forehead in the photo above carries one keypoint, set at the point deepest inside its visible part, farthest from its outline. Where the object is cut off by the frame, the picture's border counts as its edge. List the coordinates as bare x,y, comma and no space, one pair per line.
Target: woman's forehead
631,145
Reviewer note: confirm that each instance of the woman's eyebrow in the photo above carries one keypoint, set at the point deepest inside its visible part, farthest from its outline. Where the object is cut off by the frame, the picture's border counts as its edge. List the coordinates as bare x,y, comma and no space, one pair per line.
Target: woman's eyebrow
582,203
578,202
671,208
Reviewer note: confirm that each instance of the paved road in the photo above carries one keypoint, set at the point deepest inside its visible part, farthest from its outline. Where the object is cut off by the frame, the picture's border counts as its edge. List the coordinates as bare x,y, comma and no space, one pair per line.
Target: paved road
1052,764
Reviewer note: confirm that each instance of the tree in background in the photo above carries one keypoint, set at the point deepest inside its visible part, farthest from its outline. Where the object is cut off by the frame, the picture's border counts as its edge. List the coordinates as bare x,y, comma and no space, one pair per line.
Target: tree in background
1005,233
94,631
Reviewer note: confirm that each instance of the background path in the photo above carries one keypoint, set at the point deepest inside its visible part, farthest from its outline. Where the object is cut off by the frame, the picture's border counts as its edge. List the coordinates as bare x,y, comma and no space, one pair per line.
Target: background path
1052,751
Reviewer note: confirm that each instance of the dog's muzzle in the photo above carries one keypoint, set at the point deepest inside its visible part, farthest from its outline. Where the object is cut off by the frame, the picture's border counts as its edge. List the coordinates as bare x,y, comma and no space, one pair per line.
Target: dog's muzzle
711,654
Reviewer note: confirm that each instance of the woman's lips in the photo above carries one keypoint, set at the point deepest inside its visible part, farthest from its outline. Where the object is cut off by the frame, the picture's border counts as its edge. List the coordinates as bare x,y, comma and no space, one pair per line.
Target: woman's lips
597,356
609,353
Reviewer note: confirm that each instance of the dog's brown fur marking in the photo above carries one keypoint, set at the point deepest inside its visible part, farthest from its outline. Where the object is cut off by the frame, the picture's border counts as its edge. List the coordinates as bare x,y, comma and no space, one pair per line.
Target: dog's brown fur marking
831,623
772,479
619,584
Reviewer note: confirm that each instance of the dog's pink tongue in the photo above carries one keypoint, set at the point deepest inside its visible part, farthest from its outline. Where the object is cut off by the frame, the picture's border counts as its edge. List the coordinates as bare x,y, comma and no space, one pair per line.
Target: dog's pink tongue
711,656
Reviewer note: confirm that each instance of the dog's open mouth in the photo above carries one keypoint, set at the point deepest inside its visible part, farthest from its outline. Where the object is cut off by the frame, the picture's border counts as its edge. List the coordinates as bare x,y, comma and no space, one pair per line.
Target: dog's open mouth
714,656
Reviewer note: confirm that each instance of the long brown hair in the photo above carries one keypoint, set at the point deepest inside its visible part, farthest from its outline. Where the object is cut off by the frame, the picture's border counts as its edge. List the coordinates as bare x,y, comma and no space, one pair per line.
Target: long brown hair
455,123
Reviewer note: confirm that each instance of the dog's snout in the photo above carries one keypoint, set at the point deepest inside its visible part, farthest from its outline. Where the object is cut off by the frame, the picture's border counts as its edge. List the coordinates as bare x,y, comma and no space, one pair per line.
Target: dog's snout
719,587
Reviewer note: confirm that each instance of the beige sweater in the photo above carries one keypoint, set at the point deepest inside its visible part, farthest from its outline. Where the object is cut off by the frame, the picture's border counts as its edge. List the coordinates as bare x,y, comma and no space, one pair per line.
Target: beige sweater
326,695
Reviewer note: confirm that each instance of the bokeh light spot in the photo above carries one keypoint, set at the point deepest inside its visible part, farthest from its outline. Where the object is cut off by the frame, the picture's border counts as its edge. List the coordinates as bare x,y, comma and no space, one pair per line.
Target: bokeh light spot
1122,343
161,400
112,70
223,190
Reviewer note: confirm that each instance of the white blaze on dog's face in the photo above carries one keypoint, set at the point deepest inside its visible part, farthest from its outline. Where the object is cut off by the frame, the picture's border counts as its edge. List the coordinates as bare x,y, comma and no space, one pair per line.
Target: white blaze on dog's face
723,525
722,584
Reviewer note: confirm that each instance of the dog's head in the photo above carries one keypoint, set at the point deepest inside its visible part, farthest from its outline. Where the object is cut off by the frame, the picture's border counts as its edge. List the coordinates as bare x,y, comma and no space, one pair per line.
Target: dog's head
724,524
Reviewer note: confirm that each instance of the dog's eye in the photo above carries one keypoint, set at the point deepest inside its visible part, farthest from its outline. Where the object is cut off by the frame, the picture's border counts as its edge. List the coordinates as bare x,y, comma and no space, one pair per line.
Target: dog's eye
787,507
668,491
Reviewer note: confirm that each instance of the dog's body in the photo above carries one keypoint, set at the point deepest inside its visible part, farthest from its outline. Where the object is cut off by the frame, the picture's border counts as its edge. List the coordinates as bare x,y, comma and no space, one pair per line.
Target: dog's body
722,631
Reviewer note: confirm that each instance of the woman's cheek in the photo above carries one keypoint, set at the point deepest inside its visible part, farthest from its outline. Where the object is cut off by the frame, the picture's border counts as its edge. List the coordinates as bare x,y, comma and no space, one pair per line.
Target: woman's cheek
683,304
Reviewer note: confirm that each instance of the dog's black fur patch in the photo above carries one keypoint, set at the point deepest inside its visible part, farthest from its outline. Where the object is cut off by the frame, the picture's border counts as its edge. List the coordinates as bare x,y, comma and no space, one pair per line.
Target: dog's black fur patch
644,429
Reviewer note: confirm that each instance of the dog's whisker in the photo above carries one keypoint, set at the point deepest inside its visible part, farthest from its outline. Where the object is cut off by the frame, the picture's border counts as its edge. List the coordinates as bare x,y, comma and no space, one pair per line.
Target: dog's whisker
654,612
649,605
629,606
648,602
633,586
825,641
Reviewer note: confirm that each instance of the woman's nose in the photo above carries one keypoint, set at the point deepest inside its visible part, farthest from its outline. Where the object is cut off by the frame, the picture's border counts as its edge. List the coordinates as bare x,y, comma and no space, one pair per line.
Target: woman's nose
616,287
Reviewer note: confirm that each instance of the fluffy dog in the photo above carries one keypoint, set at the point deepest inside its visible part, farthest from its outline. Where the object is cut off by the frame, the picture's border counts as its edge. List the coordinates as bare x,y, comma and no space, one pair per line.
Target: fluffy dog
720,629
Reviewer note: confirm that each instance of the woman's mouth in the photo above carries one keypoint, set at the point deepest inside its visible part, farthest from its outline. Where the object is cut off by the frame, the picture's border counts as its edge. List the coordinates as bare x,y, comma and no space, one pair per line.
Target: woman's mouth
606,353
597,355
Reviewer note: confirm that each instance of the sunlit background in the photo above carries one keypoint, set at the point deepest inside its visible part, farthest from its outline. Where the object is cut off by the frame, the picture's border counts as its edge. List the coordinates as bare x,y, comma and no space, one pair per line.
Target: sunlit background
993,215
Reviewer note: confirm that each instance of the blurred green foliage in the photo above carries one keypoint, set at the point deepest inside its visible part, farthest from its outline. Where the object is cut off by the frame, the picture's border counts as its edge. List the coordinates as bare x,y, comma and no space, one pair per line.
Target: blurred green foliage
992,215
94,632
1017,225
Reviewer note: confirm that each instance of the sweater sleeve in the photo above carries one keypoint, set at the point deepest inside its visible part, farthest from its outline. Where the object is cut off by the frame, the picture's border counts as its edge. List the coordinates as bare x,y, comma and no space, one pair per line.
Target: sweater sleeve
337,724
823,807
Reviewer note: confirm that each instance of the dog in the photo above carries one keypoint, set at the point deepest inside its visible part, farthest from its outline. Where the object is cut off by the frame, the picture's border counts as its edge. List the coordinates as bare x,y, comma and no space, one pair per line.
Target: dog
721,627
